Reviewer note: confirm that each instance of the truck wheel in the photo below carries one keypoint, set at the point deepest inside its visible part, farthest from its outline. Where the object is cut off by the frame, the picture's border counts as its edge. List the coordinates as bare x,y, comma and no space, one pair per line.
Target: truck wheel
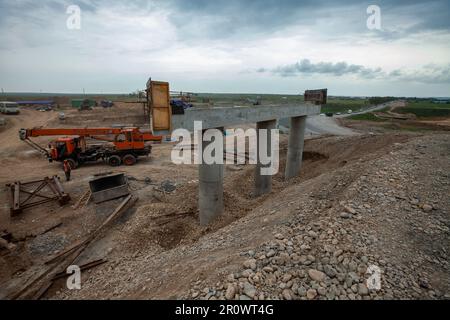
114,161
129,159
72,163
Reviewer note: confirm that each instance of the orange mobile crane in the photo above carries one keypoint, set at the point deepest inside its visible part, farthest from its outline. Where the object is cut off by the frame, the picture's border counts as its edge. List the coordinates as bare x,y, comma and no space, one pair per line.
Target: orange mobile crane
126,144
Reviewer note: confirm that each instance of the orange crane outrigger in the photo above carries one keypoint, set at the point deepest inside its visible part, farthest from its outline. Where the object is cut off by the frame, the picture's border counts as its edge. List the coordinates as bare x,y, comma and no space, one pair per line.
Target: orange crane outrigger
127,144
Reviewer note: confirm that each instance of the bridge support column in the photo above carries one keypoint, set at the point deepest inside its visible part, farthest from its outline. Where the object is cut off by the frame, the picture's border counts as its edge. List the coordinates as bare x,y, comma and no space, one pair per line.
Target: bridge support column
210,199
263,183
295,147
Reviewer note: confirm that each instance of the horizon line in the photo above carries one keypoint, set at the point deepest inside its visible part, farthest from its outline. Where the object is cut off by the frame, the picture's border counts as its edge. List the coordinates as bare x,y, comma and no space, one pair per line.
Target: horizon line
231,93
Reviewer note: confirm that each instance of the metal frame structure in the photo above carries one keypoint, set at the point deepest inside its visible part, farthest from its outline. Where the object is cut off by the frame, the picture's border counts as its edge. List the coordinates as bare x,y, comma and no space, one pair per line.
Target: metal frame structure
33,193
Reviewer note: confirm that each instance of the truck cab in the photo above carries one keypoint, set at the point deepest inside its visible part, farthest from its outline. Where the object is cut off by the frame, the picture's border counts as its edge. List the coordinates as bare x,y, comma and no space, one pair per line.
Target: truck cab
63,148
7,107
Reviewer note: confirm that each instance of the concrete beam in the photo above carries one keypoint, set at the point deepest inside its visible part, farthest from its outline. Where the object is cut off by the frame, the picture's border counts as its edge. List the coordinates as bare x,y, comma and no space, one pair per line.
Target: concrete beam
263,183
295,147
230,116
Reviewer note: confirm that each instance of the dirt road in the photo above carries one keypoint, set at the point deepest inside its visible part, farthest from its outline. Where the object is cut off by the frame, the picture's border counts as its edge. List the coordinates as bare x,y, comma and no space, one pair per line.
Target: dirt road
9,138
318,125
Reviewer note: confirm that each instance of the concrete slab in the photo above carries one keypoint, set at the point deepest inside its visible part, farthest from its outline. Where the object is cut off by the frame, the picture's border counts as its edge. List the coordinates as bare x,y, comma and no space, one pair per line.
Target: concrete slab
235,115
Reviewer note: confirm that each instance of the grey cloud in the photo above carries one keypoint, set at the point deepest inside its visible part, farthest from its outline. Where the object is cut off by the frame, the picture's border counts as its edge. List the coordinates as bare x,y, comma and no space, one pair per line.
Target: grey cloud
37,29
395,73
430,74
305,66
226,18
408,18
250,19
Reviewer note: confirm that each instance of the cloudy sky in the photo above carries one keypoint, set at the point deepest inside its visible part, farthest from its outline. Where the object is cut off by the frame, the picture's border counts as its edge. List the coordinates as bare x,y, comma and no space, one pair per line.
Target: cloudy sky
259,46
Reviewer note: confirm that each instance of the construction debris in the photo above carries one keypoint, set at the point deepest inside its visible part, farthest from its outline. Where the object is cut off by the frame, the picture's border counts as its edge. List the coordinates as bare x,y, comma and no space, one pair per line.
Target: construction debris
146,180
7,245
109,187
102,174
33,193
93,235
35,232
168,186
83,201
83,267
38,286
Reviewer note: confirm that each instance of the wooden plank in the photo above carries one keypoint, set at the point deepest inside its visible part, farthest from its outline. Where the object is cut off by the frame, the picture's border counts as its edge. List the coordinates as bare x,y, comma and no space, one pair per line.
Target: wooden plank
68,256
94,233
161,110
83,267
16,197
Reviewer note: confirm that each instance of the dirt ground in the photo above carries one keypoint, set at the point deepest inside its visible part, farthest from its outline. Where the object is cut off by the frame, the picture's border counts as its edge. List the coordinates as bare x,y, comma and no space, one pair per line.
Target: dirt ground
157,248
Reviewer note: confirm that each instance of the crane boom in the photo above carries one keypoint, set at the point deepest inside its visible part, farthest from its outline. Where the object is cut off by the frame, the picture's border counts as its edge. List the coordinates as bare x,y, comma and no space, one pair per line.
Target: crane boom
86,132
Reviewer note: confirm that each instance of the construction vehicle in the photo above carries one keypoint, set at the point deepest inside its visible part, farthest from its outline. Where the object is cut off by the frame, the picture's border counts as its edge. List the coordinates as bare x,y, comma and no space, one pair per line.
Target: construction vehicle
84,104
124,145
106,103
9,107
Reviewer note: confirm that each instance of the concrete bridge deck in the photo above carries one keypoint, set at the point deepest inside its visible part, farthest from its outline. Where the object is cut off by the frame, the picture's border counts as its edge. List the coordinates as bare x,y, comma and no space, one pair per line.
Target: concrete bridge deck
265,117
235,115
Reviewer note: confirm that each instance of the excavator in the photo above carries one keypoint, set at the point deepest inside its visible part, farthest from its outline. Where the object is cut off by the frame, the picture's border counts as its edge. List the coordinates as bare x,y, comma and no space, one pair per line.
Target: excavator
124,145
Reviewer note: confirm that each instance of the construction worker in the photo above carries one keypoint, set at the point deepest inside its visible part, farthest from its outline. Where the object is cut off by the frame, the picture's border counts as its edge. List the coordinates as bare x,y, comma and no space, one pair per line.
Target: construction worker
67,169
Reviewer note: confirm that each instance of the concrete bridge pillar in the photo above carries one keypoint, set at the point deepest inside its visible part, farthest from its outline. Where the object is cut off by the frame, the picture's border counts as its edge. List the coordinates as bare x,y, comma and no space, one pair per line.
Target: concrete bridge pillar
263,183
211,176
295,147
210,199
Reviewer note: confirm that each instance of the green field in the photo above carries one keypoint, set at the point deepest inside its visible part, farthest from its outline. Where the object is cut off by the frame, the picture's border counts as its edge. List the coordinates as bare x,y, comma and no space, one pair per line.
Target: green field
425,112
427,104
367,117
426,109
342,106
248,98
423,109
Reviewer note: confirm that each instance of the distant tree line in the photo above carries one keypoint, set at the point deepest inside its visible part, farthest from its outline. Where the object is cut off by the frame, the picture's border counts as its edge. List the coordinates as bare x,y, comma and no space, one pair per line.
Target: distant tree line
137,94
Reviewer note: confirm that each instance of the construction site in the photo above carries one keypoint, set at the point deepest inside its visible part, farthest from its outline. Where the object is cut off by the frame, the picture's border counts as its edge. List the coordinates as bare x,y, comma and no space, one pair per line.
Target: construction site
355,198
